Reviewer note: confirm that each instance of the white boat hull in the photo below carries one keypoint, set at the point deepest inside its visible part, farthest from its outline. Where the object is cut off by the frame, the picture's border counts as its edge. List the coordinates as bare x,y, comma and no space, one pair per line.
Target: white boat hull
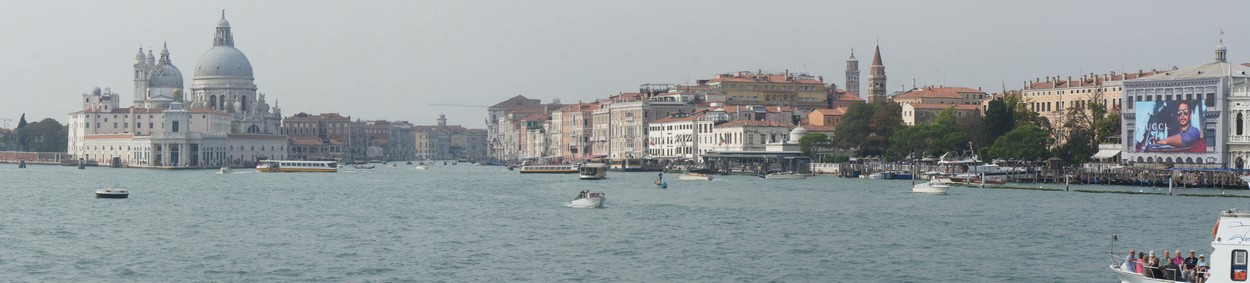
1133,277
1246,178
931,188
785,176
422,167
592,202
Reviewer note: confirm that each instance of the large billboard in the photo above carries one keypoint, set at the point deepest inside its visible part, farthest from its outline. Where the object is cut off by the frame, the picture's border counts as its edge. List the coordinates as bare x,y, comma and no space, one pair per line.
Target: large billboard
1171,126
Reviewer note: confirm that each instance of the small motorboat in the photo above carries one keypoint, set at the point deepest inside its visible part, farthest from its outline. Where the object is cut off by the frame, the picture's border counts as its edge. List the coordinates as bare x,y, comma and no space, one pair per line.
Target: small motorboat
422,167
112,193
587,199
363,166
224,170
784,176
931,187
695,176
409,162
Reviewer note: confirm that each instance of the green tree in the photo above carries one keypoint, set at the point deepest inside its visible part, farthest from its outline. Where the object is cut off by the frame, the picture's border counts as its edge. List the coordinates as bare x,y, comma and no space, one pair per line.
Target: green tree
853,129
910,139
21,136
812,141
999,120
886,118
1025,142
971,125
46,135
1078,139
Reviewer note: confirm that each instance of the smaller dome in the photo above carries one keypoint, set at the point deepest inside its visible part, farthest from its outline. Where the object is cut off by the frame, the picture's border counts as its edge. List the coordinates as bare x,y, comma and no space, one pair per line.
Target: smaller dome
223,23
1220,48
797,133
165,76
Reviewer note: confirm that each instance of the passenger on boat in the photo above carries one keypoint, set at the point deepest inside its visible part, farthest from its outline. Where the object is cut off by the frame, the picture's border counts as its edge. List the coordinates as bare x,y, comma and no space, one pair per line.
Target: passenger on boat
1191,264
1203,266
1170,270
1142,262
1130,261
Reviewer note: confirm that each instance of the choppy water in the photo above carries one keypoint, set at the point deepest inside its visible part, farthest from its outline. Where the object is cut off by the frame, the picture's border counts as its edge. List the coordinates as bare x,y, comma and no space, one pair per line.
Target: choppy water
475,223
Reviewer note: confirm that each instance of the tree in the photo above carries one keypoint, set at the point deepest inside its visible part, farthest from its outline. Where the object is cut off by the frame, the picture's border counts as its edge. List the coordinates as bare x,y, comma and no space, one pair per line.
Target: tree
998,120
886,118
854,129
971,125
21,136
812,141
1077,136
1026,142
46,135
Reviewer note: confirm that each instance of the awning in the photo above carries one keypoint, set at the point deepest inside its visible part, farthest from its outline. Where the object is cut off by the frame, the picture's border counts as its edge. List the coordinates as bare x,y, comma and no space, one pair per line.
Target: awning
1106,153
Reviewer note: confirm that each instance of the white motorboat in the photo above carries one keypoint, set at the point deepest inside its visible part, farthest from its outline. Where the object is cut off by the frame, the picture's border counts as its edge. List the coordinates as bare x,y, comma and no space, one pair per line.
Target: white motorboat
422,167
1227,260
931,187
785,176
695,176
224,170
112,193
587,199
592,171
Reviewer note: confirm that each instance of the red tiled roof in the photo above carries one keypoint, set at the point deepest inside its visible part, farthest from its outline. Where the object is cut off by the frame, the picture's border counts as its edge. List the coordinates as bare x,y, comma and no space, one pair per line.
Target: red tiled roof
753,123
937,92
1092,80
670,119
930,106
305,141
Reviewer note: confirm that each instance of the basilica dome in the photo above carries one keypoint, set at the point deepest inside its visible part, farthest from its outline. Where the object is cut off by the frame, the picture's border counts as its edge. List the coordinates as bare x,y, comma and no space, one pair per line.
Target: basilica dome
165,74
223,61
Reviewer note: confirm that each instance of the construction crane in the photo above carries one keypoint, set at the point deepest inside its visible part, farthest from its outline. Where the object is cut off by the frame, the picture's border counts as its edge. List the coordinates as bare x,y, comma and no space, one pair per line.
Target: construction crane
458,105
6,122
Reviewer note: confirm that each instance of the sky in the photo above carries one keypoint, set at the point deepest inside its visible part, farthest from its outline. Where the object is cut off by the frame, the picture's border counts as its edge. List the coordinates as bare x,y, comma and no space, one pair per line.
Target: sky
404,60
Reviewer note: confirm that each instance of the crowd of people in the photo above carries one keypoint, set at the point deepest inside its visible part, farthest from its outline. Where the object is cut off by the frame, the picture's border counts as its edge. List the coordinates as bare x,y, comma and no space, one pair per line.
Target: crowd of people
1169,266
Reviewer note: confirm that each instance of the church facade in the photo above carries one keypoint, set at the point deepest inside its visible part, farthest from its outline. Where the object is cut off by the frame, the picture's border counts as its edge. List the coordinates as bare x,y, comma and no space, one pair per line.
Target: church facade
223,121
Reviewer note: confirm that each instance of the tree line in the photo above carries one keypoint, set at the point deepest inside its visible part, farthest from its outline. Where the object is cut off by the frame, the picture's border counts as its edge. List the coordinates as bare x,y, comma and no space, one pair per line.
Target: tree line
1007,130
45,135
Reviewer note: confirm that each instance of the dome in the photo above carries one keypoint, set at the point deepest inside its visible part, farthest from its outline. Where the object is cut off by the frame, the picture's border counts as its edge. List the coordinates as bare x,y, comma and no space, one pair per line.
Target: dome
165,76
223,61
1220,48
797,134
223,22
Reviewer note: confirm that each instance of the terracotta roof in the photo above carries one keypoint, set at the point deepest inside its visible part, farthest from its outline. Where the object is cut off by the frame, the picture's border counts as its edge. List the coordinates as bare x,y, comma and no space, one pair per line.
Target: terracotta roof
753,123
1091,80
929,106
687,118
937,92
305,141
828,112
515,102
842,95
536,117
628,97
815,128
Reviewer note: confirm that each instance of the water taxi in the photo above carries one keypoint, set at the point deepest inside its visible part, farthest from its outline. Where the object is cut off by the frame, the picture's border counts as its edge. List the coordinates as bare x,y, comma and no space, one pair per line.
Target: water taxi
565,169
931,187
112,193
784,176
587,199
592,171
1228,260
296,166
695,176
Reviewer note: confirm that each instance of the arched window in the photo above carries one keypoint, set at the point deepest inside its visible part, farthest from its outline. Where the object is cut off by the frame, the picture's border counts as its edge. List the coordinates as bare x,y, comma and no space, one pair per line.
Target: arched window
253,129
221,103
1240,123
212,101
243,102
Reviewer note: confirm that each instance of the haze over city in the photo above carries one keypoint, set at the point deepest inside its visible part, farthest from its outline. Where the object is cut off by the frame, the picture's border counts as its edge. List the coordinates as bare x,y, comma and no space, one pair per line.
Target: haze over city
392,59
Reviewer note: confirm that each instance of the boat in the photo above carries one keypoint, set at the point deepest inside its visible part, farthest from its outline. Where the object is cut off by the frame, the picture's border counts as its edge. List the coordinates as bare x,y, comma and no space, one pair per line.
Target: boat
931,187
296,166
1227,260
422,167
975,171
224,170
592,171
112,193
695,176
363,166
557,169
1246,179
784,176
587,199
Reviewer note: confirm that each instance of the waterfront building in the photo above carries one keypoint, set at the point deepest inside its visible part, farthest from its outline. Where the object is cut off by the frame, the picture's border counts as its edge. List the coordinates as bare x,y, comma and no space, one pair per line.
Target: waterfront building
824,121
922,105
443,142
876,78
676,137
165,129
388,140
574,130
852,75
773,88
1188,117
630,115
1050,97
749,135
327,136
534,139
504,128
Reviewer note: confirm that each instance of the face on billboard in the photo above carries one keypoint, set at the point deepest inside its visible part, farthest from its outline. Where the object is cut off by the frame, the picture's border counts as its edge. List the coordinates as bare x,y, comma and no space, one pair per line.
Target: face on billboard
1170,126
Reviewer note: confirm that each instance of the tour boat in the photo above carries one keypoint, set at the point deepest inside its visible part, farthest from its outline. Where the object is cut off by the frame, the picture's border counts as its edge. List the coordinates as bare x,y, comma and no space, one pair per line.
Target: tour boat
112,193
296,166
931,187
695,176
587,199
784,176
224,170
567,169
592,171
1230,241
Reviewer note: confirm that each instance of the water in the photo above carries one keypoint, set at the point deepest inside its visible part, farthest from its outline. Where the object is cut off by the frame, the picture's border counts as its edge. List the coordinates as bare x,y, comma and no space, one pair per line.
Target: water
479,223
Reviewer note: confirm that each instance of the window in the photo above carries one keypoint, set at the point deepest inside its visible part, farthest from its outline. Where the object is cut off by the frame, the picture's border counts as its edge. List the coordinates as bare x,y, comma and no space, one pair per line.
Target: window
1238,270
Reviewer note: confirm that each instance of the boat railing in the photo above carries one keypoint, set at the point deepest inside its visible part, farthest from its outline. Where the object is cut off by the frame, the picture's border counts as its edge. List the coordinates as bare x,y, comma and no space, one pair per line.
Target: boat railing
1117,261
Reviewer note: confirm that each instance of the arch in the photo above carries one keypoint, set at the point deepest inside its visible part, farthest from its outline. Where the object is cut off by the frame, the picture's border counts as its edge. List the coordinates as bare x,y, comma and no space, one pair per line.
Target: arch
221,103
253,129
1169,160
1240,123
243,102
1240,163
212,101
1190,160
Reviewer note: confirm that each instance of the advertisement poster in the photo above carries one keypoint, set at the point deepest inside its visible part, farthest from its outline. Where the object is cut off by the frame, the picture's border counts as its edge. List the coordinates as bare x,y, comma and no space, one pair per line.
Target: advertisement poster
1170,126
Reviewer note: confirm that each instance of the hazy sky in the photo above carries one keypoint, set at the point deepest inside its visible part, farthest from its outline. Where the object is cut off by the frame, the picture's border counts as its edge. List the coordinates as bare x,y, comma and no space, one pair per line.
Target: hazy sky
391,59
